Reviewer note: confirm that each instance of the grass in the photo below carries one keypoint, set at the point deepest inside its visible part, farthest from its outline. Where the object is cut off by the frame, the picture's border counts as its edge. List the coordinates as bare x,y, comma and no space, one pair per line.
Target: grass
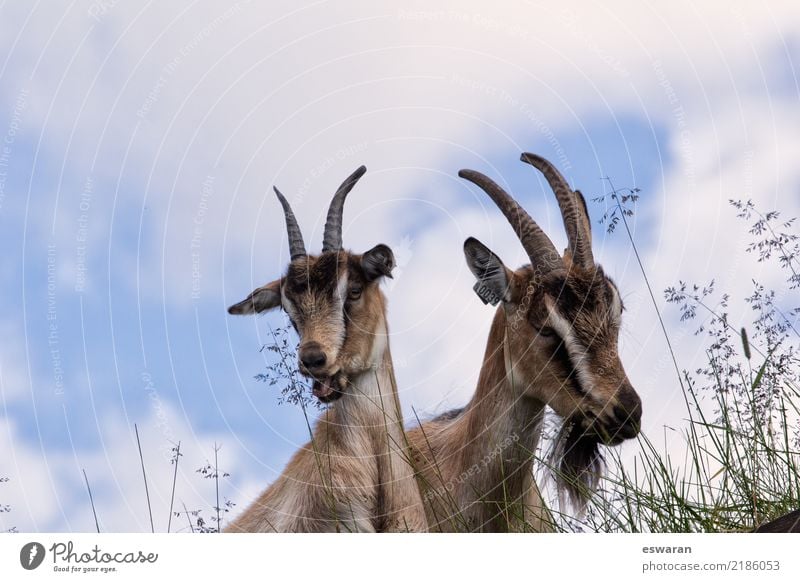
194,518
738,469
732,465
219,510
736,463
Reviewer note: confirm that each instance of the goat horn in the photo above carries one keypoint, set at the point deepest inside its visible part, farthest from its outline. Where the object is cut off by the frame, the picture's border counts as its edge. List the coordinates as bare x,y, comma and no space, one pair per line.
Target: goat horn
536,243
332,239
296,247
573,210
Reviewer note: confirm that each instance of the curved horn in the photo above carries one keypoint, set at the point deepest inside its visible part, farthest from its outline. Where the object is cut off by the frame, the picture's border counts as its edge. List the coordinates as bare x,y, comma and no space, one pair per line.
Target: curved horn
536,243
296,247
573,210
332,239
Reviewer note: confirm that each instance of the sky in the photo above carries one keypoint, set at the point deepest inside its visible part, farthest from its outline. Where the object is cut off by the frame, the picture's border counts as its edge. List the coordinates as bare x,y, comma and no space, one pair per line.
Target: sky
139,143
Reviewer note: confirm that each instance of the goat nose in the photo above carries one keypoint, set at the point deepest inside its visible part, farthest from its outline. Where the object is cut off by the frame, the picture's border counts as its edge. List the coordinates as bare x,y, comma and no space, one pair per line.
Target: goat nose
312,357
628,403
628,413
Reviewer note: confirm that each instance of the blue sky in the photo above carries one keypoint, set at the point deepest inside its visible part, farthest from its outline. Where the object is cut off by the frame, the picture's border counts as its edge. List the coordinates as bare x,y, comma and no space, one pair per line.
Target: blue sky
136,132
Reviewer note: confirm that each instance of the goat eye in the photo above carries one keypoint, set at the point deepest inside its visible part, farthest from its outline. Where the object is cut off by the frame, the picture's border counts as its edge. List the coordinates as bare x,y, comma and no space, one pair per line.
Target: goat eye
354,293
547,332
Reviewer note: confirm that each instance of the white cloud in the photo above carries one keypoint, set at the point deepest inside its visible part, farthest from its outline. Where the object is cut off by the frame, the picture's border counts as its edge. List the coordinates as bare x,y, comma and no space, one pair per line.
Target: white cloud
47,492
13,376
151,101
739,153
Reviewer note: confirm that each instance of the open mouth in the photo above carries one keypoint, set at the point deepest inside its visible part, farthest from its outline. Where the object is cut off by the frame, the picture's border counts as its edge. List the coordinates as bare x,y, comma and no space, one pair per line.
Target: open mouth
328,388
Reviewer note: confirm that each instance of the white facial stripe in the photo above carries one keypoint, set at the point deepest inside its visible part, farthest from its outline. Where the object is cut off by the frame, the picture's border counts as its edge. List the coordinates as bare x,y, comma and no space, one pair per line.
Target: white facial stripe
577,353
341,288
339,299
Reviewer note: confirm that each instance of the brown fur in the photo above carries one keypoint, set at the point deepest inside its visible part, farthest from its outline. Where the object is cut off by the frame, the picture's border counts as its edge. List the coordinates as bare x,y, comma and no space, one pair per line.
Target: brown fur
355,474
477,467
553,342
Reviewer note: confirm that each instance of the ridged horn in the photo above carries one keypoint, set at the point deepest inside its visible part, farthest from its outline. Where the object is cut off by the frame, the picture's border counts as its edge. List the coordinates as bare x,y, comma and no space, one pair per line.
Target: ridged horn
296,247
536,243
332,239
573,210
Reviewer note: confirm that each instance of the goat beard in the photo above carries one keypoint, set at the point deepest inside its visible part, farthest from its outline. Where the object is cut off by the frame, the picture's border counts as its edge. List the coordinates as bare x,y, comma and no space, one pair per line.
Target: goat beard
578,464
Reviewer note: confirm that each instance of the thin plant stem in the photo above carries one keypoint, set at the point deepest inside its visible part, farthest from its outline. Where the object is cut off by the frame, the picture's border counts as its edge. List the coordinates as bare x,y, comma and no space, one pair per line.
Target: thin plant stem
216,484
144,476
186,512
174,481
91,500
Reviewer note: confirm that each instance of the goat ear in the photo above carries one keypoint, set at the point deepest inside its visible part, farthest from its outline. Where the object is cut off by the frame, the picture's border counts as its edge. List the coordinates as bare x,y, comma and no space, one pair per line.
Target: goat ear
494,279
377,262
262,299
